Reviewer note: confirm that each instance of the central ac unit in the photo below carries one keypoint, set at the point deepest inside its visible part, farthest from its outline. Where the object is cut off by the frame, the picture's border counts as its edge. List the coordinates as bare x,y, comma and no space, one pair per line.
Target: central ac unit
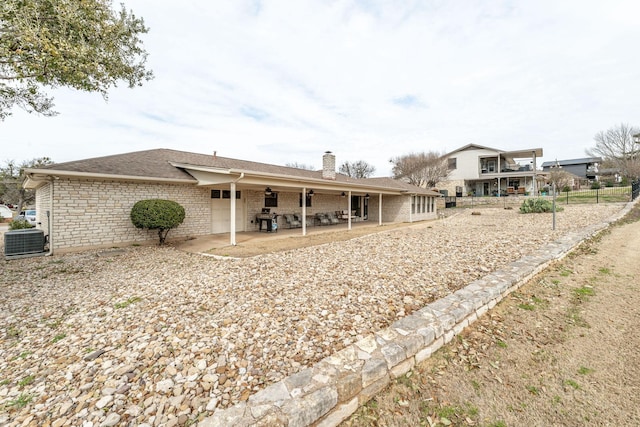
23,242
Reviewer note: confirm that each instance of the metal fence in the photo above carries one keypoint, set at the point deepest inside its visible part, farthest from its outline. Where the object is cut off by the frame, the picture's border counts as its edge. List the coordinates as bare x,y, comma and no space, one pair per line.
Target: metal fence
601,195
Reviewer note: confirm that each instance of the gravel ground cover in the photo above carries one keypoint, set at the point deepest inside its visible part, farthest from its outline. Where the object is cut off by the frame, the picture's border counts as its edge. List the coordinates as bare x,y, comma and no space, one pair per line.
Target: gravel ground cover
156,336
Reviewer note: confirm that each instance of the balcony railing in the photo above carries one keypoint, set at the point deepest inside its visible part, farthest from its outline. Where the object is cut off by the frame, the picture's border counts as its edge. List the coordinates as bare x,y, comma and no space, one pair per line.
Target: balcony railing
507,169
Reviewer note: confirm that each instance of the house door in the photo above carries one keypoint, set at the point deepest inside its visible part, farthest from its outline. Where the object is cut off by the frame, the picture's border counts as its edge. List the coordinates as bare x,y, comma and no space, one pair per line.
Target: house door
221,213
485,189
356,206
365,208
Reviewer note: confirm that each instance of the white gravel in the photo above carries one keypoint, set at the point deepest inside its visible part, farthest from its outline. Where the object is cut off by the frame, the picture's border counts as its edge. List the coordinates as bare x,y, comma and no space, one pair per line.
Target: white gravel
159,336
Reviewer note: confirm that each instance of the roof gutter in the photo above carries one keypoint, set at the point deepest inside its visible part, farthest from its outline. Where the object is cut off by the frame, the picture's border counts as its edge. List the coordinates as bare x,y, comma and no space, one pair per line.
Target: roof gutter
31,176
296,179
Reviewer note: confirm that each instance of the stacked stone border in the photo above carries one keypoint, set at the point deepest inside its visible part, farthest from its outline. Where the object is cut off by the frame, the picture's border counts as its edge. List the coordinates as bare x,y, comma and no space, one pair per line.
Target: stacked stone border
329,392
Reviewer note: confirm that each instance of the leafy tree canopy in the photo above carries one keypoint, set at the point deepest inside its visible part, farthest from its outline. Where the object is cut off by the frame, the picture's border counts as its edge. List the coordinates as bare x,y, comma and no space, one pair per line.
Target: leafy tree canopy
157,214
12,177
82,44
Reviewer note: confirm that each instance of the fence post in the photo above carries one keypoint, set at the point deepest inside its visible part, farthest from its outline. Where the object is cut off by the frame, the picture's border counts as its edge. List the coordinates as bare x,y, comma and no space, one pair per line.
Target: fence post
567,197
597,196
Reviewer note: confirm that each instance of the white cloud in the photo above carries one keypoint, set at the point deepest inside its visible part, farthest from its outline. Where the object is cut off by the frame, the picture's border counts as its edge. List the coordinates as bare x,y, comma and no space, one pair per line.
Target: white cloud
283,81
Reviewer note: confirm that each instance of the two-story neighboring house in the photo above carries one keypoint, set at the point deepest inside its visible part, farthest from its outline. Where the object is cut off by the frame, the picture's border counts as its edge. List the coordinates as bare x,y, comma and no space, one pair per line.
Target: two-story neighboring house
586,168
483,171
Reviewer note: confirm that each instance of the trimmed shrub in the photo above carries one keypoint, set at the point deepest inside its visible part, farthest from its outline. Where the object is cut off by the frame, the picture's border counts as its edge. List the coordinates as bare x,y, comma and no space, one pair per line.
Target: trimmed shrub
19,224
157,214
538,206
595,185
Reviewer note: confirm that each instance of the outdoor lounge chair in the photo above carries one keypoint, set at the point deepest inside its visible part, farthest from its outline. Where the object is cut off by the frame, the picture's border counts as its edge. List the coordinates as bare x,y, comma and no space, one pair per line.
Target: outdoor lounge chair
323,219
333,219
298,217
292,221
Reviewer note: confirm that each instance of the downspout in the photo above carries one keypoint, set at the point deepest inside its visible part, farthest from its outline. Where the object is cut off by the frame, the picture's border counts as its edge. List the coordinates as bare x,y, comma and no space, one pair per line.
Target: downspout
51,180
232,196
50,218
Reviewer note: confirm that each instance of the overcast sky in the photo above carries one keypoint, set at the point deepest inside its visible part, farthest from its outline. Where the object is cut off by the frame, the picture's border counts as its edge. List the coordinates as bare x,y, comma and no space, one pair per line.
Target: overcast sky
284,81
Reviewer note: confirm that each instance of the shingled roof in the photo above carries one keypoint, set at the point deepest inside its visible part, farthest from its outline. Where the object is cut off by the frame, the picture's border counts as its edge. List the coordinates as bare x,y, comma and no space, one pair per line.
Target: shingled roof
158,164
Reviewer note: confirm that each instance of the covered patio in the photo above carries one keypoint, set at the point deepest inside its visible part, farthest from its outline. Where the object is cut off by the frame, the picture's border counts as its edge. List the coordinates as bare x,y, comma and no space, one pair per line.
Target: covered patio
254,242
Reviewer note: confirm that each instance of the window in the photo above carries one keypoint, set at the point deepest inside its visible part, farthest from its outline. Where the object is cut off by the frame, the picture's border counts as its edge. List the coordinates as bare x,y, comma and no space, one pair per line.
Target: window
452,163
413,204
271,201
424,202
308,200
224,194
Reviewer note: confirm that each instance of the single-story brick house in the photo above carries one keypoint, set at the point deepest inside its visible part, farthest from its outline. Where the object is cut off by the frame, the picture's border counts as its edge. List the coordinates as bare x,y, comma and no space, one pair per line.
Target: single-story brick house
87,203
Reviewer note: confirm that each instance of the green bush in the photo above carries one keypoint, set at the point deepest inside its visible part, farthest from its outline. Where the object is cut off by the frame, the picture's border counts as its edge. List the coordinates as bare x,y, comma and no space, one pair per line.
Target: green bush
538,206
19,224
157,214
595,185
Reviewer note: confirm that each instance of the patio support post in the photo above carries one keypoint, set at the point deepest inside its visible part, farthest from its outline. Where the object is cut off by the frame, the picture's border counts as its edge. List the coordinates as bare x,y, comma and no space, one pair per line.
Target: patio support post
535,190
498,174
349,212
232,230
380,209
304,211
232,210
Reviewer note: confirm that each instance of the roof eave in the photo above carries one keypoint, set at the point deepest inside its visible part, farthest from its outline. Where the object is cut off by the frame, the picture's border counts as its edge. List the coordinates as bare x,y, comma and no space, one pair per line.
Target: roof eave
296,181
34,176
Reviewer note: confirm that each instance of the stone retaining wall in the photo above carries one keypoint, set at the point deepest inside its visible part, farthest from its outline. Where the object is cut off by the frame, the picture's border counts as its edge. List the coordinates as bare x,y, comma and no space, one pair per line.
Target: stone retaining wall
329,392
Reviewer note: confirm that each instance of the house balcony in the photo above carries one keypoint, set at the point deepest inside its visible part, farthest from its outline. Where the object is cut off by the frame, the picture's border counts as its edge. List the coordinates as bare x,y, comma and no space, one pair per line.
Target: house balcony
506,171
508,164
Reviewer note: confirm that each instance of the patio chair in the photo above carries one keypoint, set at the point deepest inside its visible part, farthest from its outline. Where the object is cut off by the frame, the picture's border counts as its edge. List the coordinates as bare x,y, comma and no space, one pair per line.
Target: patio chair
292,221
323,219
333,219
298,217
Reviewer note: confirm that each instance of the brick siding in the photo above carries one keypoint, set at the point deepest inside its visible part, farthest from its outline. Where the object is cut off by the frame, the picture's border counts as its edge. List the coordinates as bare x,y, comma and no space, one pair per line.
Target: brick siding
97,213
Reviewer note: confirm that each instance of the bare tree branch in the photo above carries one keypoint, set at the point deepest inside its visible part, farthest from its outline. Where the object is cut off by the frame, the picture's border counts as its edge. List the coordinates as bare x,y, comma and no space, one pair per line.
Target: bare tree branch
300,166
359,169
421,169
618,150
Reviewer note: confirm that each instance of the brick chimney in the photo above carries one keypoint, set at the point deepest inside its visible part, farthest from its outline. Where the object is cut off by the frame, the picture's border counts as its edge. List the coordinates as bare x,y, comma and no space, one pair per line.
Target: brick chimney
329,166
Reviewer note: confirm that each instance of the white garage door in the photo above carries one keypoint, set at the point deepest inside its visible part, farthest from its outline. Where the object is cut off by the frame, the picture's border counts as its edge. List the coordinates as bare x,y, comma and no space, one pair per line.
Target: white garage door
221,215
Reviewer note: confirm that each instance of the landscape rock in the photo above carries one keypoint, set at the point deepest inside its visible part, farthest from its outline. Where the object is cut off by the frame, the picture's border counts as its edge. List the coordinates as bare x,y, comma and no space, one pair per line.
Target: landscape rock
159,330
